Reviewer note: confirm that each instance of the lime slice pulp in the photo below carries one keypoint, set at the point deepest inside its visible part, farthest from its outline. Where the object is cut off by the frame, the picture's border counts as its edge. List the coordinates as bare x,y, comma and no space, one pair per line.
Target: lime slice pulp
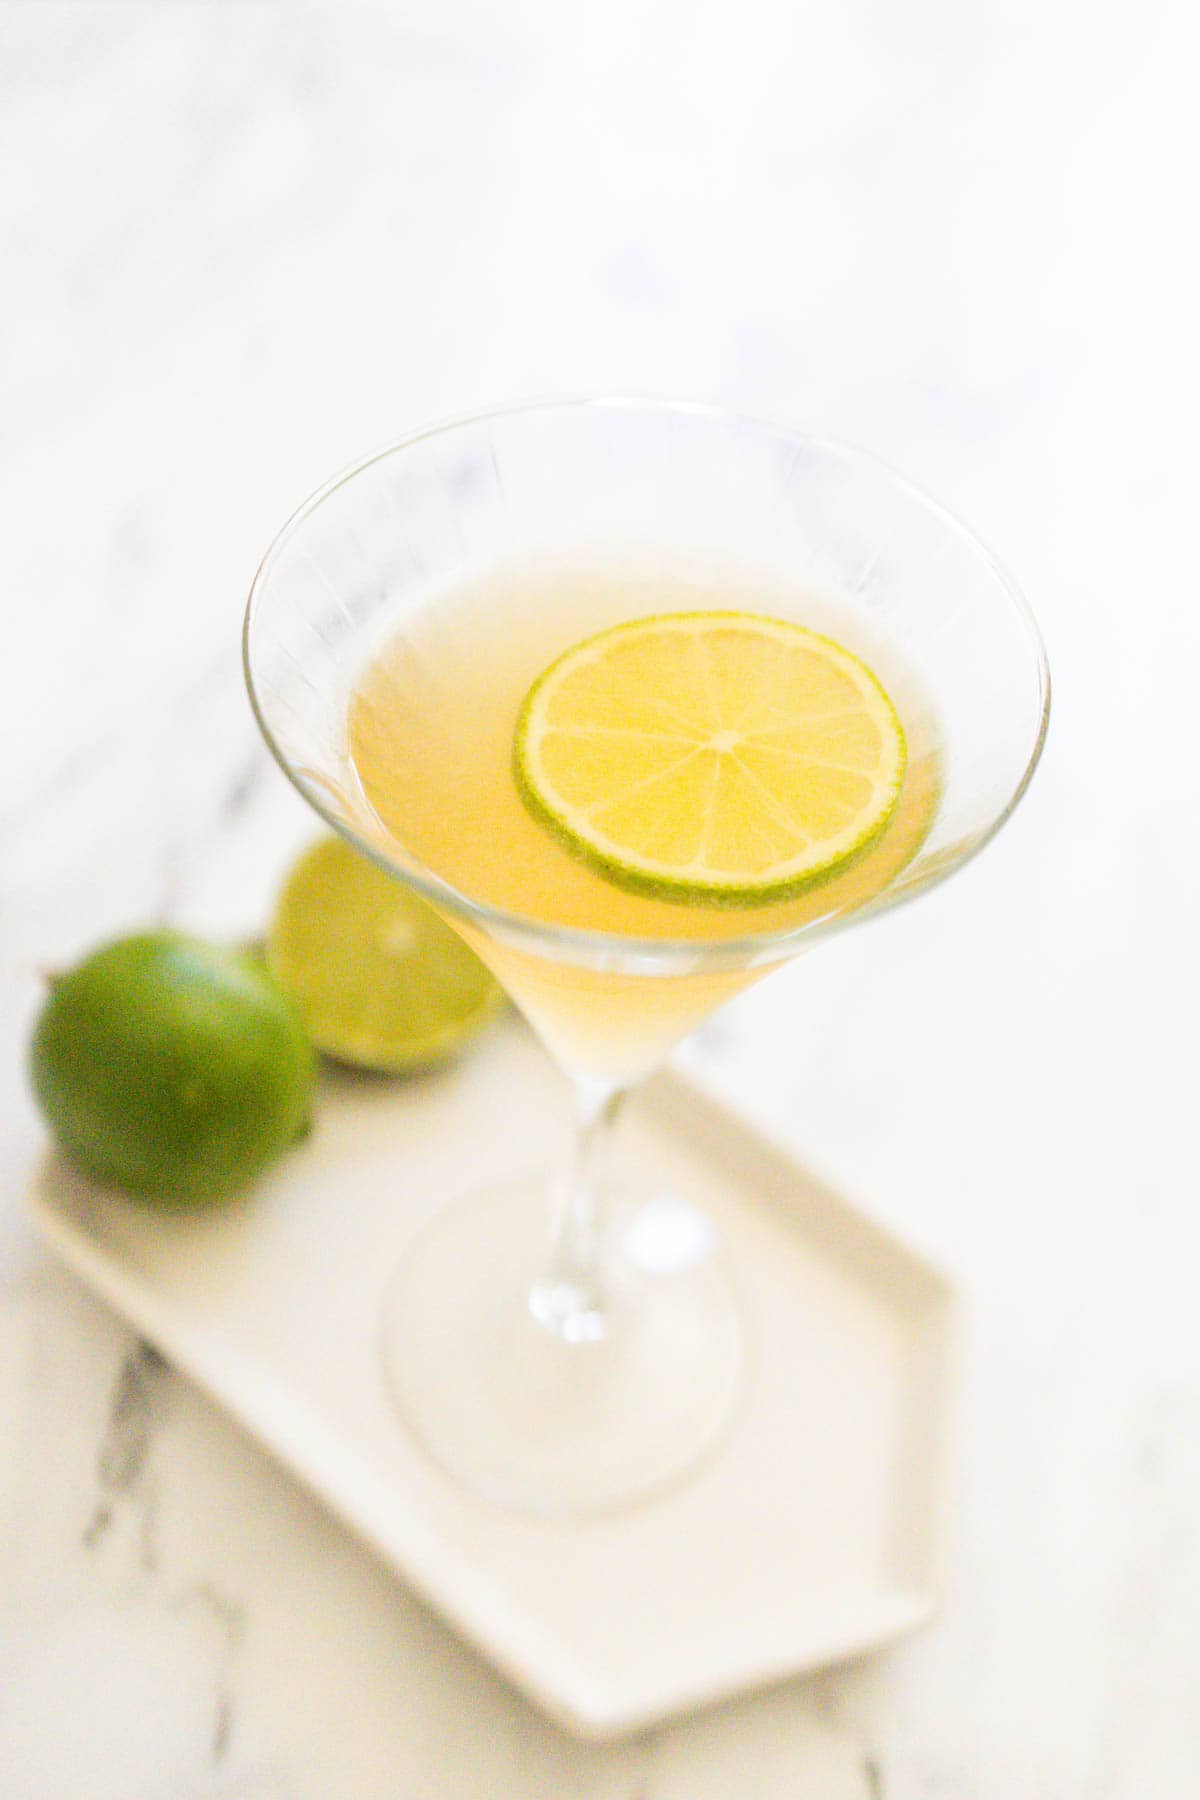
383,982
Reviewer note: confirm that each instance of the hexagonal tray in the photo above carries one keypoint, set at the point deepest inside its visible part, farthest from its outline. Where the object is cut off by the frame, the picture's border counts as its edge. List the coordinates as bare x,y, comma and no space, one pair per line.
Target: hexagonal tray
816,1533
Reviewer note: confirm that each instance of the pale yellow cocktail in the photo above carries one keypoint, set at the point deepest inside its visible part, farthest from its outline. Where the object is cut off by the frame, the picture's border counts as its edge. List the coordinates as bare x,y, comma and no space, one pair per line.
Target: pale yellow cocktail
431,731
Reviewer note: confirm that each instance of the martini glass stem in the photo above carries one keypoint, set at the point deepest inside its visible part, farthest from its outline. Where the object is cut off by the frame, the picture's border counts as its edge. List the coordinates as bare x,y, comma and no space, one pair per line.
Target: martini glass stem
570,1298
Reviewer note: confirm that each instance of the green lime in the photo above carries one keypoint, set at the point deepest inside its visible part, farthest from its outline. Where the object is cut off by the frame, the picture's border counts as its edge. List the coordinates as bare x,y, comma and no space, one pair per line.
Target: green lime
173,1068
382,980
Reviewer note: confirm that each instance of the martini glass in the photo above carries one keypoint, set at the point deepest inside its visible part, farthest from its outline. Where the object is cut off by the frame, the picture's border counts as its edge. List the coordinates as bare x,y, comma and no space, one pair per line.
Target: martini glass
572,1342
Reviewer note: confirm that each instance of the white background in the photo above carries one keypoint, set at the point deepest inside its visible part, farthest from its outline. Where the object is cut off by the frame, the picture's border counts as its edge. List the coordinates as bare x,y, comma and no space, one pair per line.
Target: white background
241,243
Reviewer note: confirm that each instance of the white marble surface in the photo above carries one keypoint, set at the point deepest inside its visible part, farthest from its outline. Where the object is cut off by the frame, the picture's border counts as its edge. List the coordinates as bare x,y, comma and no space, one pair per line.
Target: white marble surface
242,242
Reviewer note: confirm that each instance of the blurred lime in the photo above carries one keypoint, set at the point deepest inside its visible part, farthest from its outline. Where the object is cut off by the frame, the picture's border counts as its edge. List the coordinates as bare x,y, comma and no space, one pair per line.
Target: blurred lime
173,1068
382,980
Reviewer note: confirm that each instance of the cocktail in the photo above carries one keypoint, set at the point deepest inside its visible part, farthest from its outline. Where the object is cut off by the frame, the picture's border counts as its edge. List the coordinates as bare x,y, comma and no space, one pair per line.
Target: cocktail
644,698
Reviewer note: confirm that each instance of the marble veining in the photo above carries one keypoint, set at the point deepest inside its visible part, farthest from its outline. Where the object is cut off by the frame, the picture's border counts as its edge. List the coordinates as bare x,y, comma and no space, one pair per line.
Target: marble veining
244,243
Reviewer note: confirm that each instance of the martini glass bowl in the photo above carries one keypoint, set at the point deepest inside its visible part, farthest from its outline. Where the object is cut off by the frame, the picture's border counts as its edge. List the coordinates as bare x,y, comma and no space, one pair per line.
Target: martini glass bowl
569,1343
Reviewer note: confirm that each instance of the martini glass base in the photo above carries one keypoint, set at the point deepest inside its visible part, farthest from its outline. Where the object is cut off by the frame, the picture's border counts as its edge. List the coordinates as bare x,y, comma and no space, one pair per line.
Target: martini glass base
549,1423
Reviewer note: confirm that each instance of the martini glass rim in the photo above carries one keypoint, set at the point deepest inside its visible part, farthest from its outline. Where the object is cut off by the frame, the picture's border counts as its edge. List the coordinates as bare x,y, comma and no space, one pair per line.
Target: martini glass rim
602,949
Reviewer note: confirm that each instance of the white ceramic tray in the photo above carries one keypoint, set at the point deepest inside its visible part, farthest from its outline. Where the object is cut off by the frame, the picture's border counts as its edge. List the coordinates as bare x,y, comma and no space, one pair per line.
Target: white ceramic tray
816,1533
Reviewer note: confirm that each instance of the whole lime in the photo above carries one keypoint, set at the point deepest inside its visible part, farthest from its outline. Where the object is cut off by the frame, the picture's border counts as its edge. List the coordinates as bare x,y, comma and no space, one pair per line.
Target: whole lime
173,1068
